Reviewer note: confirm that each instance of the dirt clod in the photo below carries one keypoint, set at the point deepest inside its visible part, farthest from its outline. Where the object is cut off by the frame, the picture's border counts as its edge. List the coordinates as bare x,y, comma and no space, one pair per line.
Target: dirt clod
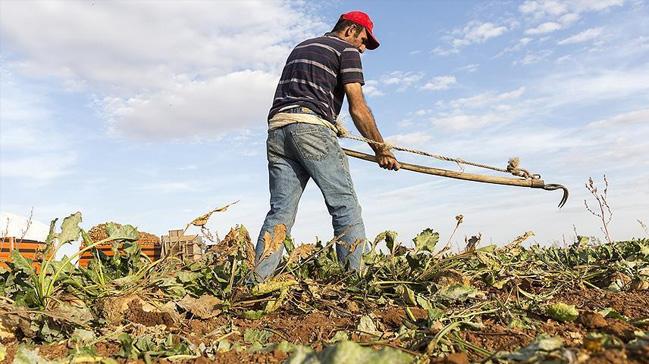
592,320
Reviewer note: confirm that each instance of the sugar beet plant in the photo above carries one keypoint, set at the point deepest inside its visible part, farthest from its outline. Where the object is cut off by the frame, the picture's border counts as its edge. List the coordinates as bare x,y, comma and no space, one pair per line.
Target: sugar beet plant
442,295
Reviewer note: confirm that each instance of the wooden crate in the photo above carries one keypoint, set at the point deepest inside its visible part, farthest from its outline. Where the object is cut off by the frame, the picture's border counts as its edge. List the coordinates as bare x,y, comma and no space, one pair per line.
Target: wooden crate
30,249
185,247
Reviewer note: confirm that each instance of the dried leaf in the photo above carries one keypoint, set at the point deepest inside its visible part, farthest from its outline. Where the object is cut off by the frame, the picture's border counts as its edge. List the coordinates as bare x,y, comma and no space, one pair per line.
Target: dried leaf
300,252
367,326
272,244
203,219
204,307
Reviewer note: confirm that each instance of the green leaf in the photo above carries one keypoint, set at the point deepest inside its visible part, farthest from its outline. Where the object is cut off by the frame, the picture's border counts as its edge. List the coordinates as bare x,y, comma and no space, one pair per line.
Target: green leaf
272,286
562,312
275,304
289,245
122,232
426,240
70,228
253,336
407,294
459,292
339,336
390,238
610,312
536,352
82,337
24,355
254,314
21,262
349,352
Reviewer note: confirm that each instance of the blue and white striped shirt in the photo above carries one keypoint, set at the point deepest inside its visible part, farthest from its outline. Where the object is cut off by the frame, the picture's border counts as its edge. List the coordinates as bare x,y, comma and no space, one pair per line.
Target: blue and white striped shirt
314,75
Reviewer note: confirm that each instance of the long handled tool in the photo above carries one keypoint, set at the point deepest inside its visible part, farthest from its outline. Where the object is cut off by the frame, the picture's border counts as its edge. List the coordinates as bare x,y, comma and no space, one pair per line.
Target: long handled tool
525,179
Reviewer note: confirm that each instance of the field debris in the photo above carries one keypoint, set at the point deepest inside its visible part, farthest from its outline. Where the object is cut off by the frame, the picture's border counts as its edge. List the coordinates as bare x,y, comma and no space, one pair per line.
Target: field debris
414,303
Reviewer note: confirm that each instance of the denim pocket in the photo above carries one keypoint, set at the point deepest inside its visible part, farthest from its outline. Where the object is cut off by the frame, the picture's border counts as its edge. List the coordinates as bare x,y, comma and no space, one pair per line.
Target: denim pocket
312,142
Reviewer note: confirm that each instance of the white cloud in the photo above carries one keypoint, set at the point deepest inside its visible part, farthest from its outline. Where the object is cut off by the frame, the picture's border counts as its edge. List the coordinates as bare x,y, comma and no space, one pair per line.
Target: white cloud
139,57
410,139
168,186
39,168
479,111
543,8
595,85
478,32
472,33
586,35
470,68
568,19
632,117
547,27
484,99
462,121
534,57
439,83
596,5
371,88
554,8
32,143
197,108
561,14
401,79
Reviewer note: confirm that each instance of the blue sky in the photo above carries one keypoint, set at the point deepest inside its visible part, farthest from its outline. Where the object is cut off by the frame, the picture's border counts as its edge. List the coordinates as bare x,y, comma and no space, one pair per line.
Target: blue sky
153,112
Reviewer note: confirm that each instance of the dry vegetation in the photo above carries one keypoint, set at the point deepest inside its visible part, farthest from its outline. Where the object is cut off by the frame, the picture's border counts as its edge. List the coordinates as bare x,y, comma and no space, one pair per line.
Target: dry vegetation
586,302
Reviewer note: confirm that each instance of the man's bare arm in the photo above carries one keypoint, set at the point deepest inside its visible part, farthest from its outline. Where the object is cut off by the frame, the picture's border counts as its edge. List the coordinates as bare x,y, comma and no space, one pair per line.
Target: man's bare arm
364,122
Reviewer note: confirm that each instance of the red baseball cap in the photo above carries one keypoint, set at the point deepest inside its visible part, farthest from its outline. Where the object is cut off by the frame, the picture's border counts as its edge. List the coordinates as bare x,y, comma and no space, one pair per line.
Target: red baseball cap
363,19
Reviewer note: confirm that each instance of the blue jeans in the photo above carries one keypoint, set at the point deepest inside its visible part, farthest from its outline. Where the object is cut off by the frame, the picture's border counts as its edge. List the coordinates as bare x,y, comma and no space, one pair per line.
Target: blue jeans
297,152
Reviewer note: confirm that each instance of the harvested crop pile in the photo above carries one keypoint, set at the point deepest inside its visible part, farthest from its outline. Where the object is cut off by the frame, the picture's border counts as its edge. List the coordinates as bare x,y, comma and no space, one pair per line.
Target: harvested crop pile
409,304
100,232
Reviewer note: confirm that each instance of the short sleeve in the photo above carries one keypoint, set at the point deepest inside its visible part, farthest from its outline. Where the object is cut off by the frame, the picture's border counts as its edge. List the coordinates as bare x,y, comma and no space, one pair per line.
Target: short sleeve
351,69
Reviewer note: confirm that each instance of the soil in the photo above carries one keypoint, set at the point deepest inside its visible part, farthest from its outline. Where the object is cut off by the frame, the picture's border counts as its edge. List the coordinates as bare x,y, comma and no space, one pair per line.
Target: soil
620,329
632,304
318,327
592,320
233,357
455,358
314,328
53,351
392,317
137,314
496,337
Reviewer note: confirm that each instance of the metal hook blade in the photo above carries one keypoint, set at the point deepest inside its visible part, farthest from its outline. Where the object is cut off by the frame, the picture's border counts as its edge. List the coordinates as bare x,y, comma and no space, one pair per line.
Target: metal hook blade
555,186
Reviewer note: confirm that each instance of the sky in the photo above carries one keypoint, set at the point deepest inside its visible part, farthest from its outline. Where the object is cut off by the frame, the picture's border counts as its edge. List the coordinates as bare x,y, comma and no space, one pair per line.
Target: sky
153,112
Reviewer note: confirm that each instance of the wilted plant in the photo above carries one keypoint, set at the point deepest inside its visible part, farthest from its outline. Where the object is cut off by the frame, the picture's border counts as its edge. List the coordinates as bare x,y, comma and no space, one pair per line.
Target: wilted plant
604,214
644,227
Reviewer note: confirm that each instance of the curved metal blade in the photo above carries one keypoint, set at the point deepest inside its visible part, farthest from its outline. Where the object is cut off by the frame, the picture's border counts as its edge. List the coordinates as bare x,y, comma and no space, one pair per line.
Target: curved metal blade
555,186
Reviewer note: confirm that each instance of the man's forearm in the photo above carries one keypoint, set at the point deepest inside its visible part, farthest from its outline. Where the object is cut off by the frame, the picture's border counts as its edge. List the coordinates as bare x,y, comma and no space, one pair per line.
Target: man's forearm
364,122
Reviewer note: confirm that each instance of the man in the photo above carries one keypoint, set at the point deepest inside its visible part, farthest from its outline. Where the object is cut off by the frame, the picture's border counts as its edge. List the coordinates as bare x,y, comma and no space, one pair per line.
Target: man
302,140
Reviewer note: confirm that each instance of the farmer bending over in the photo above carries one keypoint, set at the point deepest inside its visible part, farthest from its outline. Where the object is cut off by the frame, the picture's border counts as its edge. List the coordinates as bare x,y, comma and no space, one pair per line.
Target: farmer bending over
302,141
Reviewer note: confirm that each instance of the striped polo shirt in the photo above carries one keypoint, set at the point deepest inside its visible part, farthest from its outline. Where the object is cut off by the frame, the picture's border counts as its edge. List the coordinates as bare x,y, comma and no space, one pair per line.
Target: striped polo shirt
314,75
